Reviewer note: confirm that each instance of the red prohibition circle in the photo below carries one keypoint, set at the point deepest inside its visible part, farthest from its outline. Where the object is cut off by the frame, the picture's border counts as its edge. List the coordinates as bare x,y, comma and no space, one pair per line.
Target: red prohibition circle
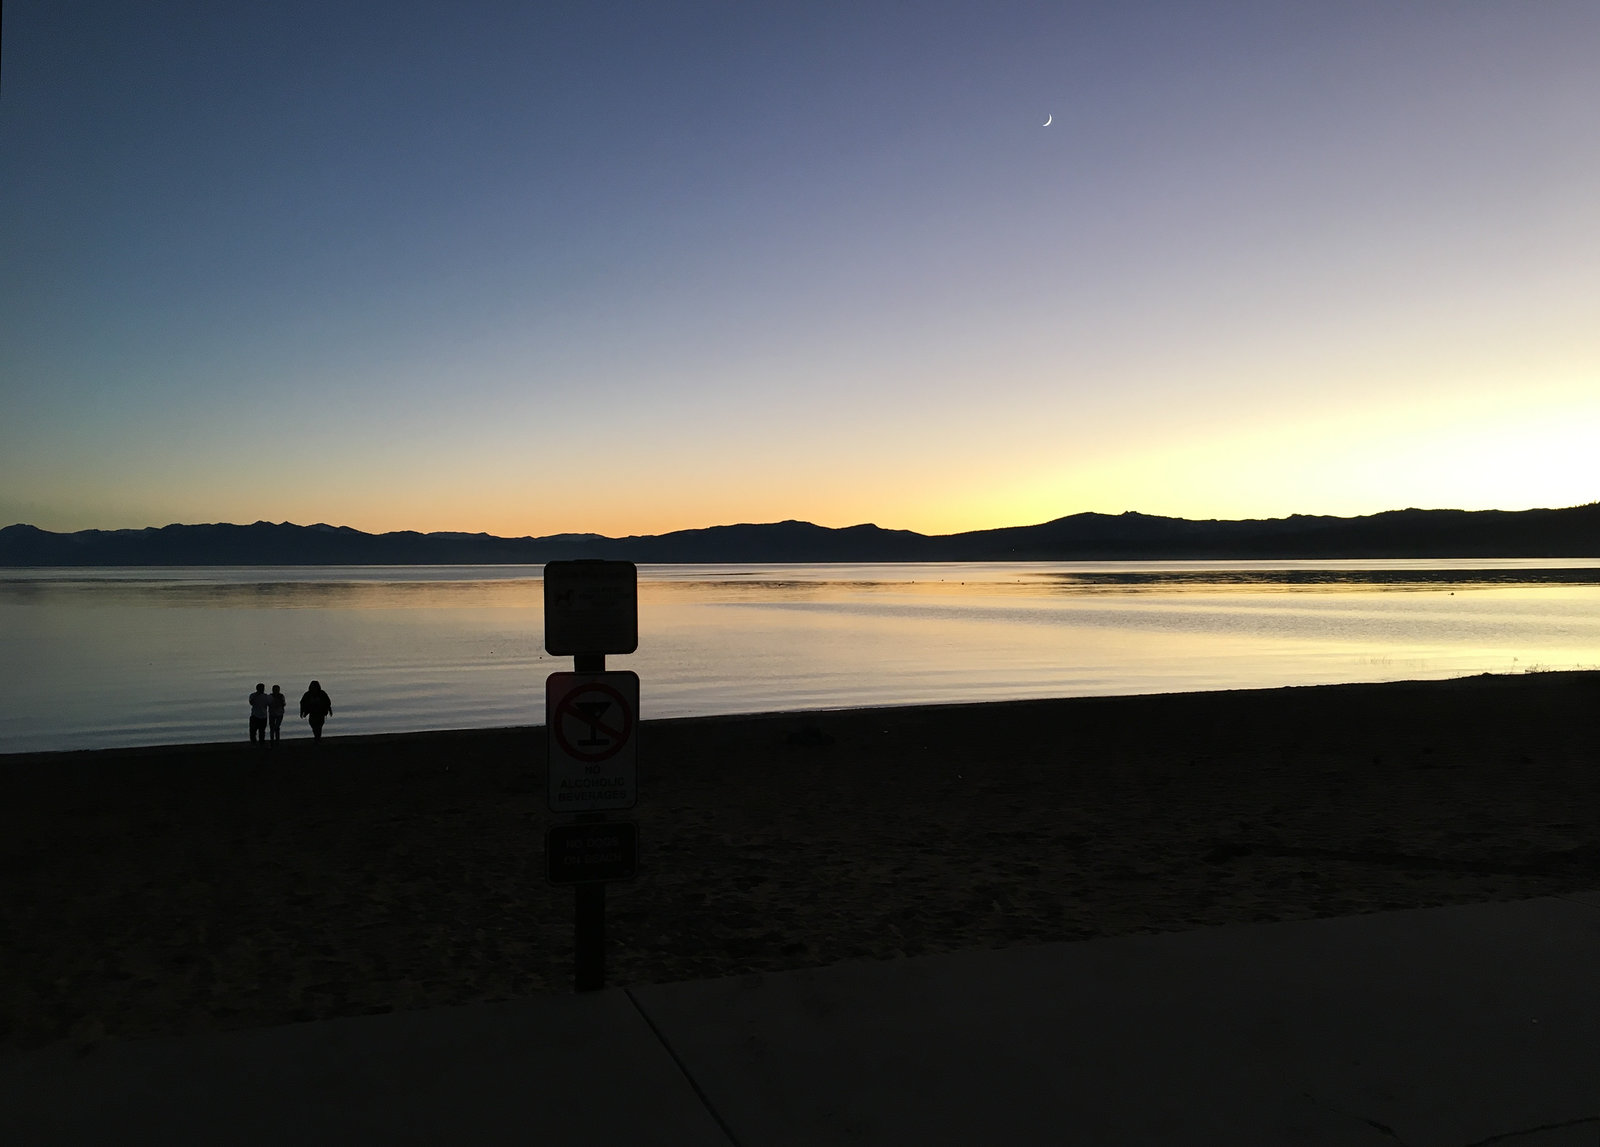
618,737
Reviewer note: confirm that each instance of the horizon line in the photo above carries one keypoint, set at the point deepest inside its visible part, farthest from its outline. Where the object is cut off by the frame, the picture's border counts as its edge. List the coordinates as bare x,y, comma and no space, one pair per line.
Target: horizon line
793,521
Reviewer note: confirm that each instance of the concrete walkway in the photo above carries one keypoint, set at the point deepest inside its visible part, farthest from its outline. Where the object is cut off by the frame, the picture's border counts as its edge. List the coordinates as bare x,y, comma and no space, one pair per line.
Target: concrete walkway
1449,1027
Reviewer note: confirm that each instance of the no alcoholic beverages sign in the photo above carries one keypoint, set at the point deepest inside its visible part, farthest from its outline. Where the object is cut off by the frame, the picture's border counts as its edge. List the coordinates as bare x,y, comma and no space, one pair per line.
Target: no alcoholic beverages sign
592,721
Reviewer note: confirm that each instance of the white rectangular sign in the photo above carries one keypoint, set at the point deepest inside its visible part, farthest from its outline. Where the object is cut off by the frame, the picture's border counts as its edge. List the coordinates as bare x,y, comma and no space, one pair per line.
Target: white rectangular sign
592,725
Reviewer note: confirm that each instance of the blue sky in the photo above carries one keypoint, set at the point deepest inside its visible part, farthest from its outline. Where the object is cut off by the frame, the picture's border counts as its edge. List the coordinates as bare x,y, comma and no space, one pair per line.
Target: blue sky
529,268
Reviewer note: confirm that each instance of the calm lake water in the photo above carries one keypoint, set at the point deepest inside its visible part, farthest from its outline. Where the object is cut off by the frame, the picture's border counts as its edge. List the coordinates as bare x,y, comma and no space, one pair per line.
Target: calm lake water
92,658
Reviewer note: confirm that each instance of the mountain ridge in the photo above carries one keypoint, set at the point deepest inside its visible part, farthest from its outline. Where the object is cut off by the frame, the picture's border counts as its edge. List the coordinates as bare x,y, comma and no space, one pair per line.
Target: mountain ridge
1569,532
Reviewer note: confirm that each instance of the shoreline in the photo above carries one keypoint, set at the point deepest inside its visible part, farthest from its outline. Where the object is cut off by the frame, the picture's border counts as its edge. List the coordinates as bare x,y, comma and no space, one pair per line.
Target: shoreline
169,889
374,741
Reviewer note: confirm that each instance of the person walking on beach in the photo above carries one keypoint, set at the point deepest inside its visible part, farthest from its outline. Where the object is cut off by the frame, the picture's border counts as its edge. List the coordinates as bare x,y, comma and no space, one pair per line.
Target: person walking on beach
259,707
316,705
275,705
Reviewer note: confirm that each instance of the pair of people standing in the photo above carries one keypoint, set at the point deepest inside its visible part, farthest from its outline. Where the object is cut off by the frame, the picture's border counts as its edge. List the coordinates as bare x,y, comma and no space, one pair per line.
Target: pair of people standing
266,711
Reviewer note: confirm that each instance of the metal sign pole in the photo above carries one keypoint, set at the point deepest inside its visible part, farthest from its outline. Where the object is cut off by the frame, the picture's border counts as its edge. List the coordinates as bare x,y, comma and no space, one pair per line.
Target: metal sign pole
589,933
589,900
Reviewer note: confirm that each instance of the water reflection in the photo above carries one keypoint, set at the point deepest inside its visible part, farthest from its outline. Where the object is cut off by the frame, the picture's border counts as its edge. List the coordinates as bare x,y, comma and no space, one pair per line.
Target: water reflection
128,656
275,594
966,580
1297,580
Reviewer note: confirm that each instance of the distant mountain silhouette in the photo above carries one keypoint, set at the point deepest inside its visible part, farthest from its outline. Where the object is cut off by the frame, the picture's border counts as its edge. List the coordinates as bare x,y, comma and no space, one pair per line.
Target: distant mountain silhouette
1572,532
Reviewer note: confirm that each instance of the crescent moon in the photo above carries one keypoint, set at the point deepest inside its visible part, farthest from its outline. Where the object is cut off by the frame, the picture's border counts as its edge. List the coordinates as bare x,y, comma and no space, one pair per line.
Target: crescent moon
1048,117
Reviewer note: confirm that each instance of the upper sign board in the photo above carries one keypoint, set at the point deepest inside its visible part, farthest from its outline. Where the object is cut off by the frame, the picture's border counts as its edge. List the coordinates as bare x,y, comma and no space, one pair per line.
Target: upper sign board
591,607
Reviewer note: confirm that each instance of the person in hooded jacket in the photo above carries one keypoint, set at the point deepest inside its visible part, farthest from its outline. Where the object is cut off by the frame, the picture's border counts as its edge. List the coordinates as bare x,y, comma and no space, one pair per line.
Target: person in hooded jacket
315,705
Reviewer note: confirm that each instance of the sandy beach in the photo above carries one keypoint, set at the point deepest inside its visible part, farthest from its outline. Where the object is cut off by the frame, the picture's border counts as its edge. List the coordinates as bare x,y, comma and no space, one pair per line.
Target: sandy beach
191,888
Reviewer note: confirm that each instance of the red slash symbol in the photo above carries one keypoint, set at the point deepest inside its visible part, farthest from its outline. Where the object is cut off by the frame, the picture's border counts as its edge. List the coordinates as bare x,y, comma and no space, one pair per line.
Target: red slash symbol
589,710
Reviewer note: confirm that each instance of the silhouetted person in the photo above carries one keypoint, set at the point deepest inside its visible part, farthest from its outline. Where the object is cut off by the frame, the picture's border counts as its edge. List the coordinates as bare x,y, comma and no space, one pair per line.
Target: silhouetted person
316,705
259,707
275,705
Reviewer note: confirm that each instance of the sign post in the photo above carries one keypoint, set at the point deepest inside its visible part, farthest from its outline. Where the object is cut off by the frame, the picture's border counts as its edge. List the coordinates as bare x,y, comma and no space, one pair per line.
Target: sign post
591,608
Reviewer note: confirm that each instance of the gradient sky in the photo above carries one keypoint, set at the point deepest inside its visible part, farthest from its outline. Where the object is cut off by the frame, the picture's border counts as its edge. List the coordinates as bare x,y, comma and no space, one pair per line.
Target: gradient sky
543,267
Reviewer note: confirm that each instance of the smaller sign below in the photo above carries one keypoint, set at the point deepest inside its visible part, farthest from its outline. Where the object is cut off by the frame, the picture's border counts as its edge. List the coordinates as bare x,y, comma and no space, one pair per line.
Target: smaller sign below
591,853
591,607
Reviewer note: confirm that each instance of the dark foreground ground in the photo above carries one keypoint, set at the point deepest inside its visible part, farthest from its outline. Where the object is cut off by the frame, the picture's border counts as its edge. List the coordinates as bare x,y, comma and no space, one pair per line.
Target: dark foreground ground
179,889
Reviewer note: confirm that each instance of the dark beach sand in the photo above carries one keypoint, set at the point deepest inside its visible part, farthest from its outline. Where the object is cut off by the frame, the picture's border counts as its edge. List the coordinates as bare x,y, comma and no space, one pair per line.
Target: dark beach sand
180,889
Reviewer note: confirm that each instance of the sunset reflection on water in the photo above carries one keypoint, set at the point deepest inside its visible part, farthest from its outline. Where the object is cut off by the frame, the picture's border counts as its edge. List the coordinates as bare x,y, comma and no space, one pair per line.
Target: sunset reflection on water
110,657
